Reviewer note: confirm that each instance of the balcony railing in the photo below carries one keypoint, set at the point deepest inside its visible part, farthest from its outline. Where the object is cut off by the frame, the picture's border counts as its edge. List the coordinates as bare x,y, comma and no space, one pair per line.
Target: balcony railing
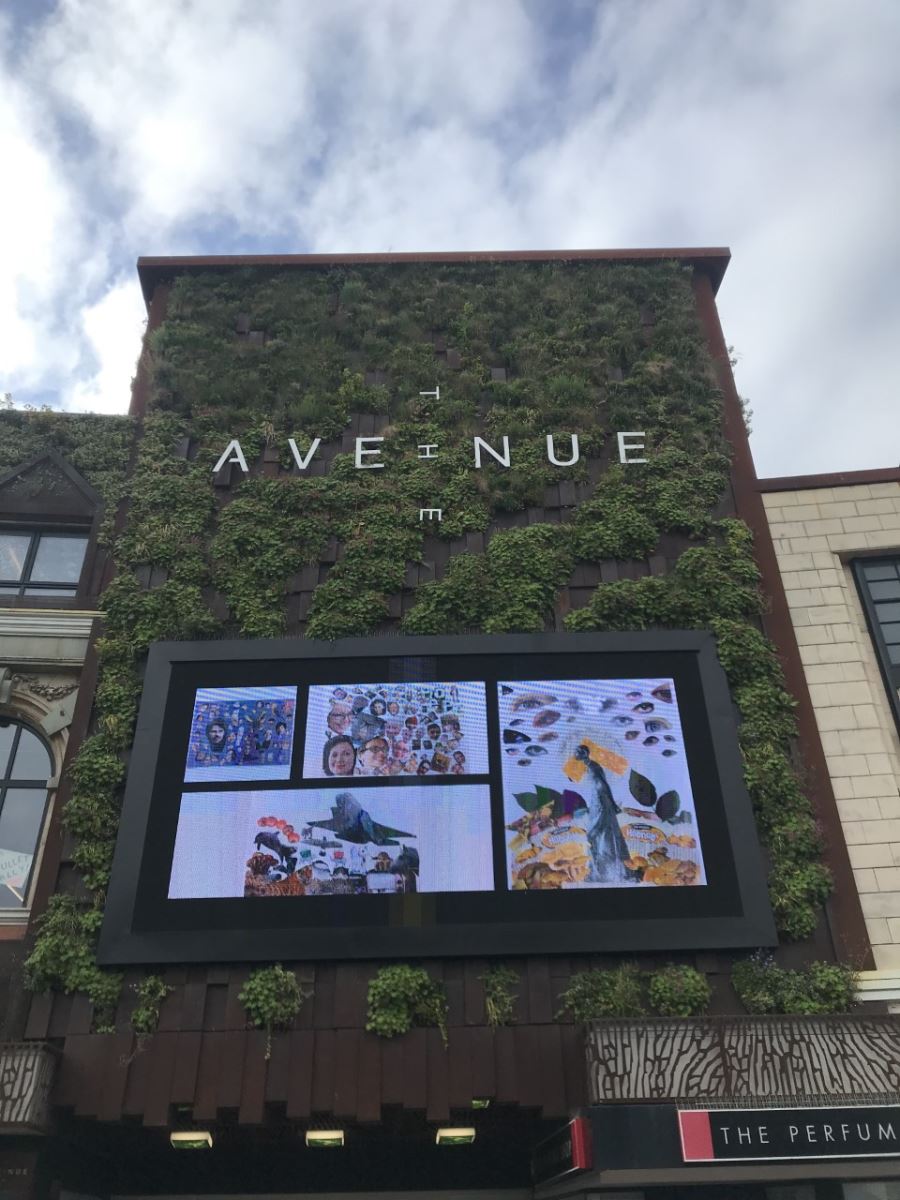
741,1058
26,1076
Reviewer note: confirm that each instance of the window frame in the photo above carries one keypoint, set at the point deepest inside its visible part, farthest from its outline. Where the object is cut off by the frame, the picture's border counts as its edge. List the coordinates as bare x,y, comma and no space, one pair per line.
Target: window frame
9,781
890,672
53,591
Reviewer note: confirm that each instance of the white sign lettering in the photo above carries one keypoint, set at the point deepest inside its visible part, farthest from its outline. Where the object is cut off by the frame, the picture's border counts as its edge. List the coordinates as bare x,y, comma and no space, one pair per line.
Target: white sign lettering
502,459
625,446
232,454
360,452
301,461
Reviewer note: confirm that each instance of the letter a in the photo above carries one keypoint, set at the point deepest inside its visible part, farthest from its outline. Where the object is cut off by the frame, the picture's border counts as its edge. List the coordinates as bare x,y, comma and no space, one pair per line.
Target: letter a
232,454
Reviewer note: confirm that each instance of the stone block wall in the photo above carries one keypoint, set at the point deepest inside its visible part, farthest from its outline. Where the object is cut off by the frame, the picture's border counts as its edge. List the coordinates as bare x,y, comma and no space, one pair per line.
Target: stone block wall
817,533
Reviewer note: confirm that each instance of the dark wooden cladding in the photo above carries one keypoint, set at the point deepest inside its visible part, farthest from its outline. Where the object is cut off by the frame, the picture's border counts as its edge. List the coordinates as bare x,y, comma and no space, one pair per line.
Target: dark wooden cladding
204,1057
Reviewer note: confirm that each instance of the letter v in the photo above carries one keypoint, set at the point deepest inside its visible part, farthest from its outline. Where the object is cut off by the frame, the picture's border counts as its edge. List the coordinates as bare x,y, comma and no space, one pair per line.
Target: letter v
302,462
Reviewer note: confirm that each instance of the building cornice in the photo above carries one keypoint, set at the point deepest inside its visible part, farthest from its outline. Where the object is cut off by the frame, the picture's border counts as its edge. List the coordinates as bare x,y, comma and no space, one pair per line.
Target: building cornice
152,271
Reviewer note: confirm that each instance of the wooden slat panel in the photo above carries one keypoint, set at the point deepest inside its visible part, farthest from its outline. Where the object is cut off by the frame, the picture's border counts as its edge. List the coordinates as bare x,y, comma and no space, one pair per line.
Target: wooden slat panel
216,1004
207,1089
539,992
115,1076
74,1070
231,1068
483,1069
392,1071
59,1017
170,1011
323,1071
323,1001
299,1084
505,1059
159,1082
473,992
235,1014
39,1016
346,1078
368,1101
454,988
193,1003
553,1082
350,996
415,1069
136,1086
92,1054
438,1100
574,1066
187,1064
460,1068
253,1092
81,1015
277,1069
528,1069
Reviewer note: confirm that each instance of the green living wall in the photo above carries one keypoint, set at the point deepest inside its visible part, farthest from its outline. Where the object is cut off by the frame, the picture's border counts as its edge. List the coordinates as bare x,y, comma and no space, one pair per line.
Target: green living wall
586,348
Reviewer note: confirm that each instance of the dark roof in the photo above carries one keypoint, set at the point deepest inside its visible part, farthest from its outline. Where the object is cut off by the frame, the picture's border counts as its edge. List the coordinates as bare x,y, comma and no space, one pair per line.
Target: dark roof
152,271
836,479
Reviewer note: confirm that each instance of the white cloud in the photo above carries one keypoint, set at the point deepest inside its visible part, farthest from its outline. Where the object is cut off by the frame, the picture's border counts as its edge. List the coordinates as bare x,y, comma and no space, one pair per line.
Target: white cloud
113,328
195,126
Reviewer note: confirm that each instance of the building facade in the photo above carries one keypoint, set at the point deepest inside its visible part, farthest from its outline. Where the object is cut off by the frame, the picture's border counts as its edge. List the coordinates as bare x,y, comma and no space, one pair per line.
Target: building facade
511,496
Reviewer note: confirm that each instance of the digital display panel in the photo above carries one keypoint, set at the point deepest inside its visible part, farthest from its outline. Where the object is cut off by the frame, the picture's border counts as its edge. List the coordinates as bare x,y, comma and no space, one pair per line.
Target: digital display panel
396,729
596,788
418,796
241,733
332,842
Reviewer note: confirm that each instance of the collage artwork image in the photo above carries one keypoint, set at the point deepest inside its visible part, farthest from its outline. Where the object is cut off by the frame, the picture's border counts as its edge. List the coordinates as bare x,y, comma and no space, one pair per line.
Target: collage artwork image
596,790
241,733
375,729
333,842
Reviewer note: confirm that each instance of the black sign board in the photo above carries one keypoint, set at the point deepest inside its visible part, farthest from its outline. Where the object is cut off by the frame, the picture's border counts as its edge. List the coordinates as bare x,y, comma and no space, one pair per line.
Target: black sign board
563,1153
763,1134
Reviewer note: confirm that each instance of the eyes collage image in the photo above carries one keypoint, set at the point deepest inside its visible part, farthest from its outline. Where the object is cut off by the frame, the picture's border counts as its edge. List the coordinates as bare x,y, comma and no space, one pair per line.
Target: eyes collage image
596,790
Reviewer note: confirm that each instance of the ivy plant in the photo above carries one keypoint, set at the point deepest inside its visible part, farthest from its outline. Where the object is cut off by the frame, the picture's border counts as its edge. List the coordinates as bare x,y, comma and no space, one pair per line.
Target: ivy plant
679,991
617,992
401,997
272,997
499,997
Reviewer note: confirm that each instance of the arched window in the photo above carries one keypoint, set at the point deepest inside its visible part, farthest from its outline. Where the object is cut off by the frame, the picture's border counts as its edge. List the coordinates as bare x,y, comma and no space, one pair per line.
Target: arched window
25,769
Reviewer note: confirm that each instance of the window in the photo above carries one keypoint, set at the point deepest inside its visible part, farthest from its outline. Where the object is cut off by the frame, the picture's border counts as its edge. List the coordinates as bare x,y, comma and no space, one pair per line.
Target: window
25,769
34,562
878,580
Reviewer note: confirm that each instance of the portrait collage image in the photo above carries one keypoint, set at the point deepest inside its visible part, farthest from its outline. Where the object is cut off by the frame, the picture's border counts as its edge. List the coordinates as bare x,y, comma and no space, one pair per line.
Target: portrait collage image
391,790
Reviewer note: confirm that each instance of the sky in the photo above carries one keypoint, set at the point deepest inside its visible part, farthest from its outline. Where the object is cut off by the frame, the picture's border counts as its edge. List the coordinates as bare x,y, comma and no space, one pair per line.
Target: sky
130,128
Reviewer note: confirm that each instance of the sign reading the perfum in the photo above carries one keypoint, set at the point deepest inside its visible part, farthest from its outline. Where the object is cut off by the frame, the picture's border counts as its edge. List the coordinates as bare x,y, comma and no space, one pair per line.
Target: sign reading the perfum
789,1133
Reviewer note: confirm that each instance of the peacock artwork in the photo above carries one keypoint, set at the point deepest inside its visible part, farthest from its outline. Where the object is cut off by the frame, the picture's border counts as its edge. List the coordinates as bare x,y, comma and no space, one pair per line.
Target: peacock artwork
596,787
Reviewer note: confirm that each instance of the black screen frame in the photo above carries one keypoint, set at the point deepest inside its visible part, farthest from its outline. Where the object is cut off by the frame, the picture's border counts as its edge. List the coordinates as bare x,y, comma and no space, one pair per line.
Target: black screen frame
141,925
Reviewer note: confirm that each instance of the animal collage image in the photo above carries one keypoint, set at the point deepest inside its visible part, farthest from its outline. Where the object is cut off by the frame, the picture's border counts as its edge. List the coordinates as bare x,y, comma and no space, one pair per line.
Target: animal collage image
596,790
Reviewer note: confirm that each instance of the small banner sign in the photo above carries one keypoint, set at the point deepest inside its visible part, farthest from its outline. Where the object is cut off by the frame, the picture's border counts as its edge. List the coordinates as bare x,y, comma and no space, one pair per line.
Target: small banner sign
14,868
765,1134
563,1153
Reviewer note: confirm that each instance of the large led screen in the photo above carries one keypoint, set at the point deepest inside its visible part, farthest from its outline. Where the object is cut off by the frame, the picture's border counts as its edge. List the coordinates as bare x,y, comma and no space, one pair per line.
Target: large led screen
417,796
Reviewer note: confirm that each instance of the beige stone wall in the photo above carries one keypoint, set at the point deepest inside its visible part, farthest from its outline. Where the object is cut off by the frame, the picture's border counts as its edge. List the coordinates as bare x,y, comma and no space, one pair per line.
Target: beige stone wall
816,532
